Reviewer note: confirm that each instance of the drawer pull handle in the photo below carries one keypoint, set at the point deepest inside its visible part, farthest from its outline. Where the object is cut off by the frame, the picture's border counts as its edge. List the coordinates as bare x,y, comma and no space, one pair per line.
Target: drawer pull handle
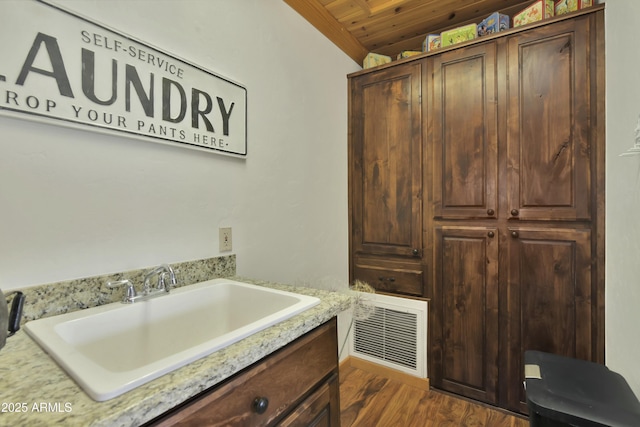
260,405
387,279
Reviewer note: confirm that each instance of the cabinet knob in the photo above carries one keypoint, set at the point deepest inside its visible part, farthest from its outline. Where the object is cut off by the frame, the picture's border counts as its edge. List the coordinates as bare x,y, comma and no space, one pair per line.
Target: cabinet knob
514,212
514,234
260,405
415,252
490,234
490,212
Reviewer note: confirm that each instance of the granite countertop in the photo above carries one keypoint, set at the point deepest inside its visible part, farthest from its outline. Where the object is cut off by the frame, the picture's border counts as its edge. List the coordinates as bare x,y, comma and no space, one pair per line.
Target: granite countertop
35,391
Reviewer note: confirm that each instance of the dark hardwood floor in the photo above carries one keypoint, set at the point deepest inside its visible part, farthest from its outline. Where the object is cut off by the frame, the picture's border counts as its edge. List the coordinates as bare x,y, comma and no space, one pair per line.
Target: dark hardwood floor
369,400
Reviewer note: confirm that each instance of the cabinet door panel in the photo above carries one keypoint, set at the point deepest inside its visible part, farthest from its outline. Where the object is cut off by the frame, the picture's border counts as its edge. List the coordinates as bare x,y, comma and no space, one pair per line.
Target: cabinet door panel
465,332
548,297
549,168
464,133
318,410
386,158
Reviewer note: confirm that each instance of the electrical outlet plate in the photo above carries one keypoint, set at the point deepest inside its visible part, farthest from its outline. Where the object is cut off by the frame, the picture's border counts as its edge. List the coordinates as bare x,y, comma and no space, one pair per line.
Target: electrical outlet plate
225,239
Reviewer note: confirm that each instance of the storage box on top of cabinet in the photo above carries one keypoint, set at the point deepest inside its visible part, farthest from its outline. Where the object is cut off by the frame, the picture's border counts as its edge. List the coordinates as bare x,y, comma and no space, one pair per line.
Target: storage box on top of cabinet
375,59
408,54
541,9
568,6
431,42
459,35
494,23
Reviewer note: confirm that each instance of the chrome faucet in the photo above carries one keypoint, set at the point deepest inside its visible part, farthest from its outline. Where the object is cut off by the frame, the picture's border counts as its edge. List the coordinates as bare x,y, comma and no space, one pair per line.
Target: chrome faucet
130,294
161,271
162,287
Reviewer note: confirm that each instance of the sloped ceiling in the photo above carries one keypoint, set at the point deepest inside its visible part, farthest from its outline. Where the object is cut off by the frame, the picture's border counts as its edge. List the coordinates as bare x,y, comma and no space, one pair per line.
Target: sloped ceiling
391,26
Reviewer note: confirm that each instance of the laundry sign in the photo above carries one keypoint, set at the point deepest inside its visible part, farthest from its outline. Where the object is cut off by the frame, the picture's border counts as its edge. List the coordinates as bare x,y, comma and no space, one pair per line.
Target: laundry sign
61,67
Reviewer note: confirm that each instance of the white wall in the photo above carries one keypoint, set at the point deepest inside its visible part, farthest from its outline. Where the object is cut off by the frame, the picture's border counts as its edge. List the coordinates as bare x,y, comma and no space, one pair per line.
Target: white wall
75,203
623,191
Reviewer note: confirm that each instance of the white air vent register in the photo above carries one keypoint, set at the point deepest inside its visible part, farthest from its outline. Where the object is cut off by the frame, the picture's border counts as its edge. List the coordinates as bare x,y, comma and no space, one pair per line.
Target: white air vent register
393,335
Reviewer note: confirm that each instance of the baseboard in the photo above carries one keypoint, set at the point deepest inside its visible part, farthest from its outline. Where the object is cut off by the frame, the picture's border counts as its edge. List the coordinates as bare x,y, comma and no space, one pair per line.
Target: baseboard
383,371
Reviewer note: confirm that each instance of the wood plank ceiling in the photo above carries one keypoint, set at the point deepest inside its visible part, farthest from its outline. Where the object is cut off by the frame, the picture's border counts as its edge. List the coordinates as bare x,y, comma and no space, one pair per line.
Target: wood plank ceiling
391,26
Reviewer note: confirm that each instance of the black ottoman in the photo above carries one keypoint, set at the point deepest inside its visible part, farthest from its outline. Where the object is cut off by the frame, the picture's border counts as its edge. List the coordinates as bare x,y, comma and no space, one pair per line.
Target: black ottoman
562,391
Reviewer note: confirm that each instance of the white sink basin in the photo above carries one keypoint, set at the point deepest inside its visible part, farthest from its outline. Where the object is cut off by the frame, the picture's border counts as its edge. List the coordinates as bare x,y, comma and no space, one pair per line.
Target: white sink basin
116,347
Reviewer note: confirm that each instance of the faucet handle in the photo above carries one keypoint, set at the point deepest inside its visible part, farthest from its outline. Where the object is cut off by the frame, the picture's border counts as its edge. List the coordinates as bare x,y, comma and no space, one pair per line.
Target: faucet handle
173,275
130,292
162,282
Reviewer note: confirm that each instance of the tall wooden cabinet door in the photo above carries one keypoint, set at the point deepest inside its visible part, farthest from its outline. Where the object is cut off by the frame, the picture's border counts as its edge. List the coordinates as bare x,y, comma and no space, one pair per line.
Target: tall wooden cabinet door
463,133
549,122
385,154
549,299
465,323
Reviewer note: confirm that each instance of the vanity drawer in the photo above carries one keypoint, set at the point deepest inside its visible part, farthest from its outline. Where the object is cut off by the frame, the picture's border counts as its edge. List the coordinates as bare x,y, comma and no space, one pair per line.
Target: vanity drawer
282,379
319,409
405,280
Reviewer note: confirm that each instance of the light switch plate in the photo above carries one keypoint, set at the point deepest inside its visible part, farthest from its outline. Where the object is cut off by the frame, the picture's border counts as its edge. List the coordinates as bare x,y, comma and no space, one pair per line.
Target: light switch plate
225,239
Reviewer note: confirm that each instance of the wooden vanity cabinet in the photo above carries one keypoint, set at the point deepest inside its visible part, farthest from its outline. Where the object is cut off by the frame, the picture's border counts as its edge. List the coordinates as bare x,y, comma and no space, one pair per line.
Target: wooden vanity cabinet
295,386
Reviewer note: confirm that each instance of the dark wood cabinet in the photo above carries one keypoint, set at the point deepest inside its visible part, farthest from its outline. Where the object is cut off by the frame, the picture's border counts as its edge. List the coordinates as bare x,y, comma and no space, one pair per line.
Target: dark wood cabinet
385,179
296,386
463,132
522,169
465,337
550,78
548,296
394,276
464,142
321,409
512,198
552,290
